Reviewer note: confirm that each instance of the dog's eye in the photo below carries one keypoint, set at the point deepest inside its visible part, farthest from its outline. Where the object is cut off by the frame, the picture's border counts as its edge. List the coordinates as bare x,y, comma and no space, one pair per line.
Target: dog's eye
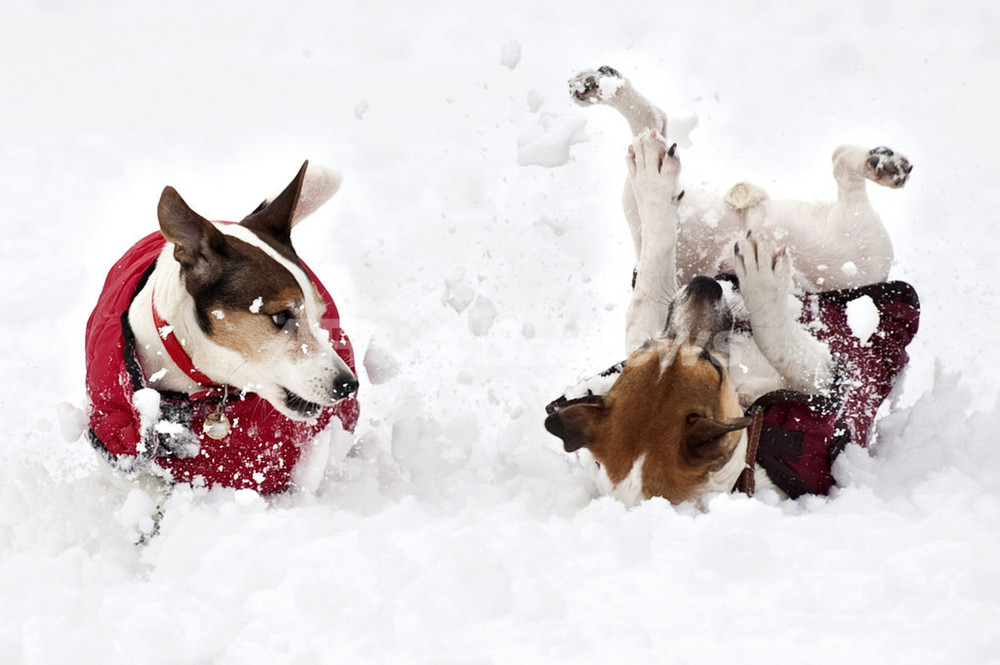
282,319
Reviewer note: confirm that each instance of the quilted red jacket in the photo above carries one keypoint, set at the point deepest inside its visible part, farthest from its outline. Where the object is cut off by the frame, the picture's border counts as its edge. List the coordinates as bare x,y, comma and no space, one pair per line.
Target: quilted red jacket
263,446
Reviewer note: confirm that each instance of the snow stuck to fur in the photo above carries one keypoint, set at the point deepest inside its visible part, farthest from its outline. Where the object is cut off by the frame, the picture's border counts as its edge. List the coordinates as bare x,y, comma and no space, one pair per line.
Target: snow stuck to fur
452,528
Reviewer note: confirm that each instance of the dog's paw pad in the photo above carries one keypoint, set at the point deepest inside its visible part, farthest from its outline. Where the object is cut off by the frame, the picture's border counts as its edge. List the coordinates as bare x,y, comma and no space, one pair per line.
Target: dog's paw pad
595,86
887,167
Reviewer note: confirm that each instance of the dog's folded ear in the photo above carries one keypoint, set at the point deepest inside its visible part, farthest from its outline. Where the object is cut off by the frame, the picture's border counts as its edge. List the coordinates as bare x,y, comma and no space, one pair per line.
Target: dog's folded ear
705,440
198,245
575,423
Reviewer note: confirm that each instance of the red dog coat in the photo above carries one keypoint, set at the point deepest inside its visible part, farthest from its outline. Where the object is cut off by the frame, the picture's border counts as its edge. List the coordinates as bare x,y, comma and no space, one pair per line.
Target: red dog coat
263,446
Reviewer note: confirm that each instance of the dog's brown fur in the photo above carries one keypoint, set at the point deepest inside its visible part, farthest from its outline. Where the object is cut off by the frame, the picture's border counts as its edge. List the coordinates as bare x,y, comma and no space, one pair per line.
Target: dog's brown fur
683,418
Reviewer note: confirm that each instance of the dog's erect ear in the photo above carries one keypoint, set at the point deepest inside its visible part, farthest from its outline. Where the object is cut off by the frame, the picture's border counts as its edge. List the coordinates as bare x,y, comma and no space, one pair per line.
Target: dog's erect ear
574,424
705,440
198,245
312,187
318,186
274,218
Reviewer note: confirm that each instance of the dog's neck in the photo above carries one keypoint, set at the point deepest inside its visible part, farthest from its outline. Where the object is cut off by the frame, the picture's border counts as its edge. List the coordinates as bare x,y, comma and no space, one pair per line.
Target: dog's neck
176,307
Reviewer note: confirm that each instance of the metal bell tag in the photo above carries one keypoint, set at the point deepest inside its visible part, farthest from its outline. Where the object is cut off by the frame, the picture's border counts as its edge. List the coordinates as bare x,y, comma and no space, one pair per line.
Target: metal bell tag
217,426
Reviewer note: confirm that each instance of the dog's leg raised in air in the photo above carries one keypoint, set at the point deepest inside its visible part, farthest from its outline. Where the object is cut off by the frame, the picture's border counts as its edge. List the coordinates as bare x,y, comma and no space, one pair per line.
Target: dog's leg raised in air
653,170
765,276
607,86
853,165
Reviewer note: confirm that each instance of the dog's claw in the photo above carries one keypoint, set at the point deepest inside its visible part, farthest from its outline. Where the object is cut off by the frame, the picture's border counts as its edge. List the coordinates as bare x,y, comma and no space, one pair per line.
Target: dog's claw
671,150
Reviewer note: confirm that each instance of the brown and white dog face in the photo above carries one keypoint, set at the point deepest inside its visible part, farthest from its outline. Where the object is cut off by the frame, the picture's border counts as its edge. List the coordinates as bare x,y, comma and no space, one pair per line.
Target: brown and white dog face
256,306
672,410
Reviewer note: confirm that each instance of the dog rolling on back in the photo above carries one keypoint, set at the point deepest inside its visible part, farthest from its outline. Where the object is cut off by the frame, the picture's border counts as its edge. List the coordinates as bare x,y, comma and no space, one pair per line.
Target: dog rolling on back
703,361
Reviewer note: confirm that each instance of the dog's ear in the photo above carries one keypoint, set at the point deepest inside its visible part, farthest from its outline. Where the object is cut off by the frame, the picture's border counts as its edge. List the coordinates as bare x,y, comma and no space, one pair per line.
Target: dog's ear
705,440
574,424
316,185
198,245
274,218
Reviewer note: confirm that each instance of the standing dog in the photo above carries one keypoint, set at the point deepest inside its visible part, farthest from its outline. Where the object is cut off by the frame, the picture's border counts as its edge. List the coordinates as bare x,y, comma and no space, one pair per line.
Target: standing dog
214,353
674,422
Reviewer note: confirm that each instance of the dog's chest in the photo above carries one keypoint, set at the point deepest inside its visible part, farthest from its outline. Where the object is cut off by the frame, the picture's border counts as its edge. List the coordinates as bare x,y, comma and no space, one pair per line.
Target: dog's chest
629,491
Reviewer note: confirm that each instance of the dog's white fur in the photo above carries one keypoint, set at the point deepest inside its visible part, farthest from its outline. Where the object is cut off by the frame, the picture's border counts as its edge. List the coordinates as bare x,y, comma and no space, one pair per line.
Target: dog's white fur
796,359
835,245
307,370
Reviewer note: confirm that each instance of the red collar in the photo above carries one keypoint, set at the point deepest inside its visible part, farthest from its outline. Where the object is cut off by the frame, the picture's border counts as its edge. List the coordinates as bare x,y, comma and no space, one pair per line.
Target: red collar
165,331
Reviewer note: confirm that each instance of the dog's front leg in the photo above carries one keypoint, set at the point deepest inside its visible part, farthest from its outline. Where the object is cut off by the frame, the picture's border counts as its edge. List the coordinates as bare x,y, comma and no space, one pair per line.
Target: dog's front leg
765,276
653,170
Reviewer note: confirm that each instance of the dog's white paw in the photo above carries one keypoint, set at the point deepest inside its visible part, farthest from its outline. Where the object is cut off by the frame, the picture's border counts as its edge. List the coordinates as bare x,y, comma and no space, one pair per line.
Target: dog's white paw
653,167
595,86
764,272
887,167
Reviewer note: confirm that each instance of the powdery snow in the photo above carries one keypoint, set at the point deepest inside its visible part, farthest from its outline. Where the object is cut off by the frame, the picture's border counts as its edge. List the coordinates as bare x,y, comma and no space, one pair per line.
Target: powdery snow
452,528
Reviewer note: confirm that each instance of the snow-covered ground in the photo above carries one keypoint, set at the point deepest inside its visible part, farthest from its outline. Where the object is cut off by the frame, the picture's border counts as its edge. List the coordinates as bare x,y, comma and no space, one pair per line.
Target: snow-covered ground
481,265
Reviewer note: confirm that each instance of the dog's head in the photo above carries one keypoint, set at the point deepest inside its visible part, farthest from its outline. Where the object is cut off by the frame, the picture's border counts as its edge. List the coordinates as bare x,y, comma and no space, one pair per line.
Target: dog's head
672,405
257,306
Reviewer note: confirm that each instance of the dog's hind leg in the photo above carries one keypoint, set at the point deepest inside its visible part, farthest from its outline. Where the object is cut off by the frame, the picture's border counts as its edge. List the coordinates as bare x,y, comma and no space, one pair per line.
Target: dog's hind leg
607,86
853,165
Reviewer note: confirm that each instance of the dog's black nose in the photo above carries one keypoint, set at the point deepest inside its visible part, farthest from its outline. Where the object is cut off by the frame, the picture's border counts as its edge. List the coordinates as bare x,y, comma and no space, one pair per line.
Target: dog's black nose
344,386
704,288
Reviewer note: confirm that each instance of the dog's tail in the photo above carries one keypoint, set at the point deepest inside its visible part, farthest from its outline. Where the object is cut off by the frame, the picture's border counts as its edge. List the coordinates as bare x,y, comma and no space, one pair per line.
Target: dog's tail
743,196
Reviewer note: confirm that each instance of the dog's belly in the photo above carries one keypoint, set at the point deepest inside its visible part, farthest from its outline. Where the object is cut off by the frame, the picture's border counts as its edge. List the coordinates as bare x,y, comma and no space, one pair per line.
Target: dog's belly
706,232
832,247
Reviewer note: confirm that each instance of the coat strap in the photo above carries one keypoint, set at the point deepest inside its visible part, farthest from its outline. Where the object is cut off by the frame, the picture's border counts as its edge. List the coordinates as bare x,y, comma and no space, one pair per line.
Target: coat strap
745,483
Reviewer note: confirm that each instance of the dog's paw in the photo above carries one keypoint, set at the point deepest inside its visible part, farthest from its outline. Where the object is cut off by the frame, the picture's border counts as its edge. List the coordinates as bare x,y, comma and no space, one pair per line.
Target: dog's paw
653,167
764,272
887,167
595,86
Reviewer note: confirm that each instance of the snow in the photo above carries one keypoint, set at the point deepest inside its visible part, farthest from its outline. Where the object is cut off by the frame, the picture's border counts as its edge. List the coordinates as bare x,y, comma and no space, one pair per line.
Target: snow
862,318
452,528
510,54
548,144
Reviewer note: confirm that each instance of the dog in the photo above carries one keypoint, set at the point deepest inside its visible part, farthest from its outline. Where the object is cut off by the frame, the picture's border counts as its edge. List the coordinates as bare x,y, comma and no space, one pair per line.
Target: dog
214,353
674,421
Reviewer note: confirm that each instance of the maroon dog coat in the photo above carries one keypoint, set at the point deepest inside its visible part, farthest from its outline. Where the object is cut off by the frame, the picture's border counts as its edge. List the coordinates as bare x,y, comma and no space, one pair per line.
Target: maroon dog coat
263,445
803,434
